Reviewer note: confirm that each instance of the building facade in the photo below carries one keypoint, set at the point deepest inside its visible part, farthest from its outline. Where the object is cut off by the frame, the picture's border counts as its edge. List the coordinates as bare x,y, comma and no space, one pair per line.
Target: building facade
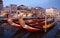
52,12
7,9
1,5
38,11
13,8
22,7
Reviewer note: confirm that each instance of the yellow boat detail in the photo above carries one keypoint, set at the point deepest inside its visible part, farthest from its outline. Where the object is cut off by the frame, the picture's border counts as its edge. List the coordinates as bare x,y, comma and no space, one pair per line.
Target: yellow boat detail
49,25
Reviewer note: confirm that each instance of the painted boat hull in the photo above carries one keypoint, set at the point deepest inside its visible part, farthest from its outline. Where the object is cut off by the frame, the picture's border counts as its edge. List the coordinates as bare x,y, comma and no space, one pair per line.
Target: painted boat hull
49,24
29,28
36,29
10,21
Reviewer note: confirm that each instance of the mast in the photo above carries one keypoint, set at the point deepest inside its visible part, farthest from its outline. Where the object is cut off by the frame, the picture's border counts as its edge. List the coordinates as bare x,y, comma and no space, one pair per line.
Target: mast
45,23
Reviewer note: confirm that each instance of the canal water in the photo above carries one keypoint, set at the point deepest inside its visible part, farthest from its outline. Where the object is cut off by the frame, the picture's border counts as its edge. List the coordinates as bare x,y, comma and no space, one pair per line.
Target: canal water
50,34
6,30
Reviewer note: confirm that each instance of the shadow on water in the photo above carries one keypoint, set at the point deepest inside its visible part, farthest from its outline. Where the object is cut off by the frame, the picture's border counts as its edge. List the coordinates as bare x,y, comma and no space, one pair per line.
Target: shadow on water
4,33
36,34
19,33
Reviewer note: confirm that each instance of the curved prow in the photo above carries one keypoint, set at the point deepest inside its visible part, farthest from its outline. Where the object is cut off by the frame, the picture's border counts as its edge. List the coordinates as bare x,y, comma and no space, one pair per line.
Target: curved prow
30,29
10,21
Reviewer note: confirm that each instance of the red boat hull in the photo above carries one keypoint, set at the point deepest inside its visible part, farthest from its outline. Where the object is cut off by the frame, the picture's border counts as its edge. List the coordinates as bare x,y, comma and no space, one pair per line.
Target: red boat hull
10,21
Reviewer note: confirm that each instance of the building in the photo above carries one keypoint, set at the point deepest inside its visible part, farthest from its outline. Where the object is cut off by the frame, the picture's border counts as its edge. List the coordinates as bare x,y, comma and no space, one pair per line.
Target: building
10,9
52,12
22,7
7,9
1,5
13,8
38,11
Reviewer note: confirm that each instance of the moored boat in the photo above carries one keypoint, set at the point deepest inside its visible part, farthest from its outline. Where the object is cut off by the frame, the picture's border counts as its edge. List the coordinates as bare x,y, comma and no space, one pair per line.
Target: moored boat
39,25
52,22
32,25
10,21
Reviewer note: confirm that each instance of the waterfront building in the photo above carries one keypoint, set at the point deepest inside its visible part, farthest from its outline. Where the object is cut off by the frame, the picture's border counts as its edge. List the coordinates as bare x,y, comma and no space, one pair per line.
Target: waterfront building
7,9
13,8
1,5
10,10
22,7
52,12
38,11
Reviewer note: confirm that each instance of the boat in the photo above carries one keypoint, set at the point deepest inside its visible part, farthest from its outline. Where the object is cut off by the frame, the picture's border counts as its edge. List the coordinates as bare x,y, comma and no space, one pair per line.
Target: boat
51,23
10,21
38,25
32,25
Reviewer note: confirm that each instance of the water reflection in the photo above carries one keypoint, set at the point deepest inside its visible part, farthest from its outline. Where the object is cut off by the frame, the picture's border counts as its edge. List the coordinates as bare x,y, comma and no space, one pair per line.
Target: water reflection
6,30
52,32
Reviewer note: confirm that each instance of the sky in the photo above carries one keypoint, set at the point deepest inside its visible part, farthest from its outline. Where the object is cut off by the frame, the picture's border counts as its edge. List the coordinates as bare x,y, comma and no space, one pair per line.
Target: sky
34,3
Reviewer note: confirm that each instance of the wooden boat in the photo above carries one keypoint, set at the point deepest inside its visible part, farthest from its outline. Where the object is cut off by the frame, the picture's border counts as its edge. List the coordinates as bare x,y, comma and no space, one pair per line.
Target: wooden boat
32,26
38,25
48,24
10,21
